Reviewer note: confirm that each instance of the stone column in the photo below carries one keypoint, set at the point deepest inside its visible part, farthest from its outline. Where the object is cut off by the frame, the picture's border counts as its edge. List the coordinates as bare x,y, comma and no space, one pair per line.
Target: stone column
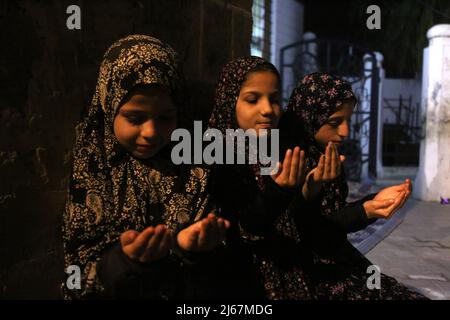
380,118
433,178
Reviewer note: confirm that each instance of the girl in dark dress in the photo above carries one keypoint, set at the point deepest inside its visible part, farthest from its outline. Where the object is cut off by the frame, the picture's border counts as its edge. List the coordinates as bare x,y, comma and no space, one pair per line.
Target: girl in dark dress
132,217
320,109
262,234
316,118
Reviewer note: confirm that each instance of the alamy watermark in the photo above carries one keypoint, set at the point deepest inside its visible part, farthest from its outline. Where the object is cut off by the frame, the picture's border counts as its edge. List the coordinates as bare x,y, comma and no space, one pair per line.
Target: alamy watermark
374,20
74,20
374,280
233,145
73,281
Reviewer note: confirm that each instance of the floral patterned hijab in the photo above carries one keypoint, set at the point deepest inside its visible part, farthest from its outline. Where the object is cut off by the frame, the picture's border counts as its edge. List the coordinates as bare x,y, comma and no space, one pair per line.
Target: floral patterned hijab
227,93
111,191
312,102
276,261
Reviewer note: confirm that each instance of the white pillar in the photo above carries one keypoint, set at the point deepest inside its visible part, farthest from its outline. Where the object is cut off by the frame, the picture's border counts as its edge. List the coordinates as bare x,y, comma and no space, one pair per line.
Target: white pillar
433,178
381,77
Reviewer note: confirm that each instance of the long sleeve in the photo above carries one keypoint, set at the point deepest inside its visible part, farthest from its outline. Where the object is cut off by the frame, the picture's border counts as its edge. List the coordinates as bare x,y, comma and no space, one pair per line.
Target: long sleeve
263,209
317,231
353,217
124,278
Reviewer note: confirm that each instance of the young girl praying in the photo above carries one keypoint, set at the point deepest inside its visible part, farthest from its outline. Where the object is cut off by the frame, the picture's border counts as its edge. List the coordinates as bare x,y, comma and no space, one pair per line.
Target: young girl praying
133,220
317,118
263,238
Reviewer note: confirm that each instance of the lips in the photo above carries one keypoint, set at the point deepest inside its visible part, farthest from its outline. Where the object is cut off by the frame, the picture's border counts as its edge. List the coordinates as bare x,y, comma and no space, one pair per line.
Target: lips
145,146
264,124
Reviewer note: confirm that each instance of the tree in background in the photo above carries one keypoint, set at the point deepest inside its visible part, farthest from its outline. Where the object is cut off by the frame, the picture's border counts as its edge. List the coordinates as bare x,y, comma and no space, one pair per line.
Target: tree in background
401,39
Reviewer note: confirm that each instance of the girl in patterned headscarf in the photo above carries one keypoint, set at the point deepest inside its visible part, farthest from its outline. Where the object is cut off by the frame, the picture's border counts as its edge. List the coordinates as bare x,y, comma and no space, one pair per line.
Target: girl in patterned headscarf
248,97
126,199
317,119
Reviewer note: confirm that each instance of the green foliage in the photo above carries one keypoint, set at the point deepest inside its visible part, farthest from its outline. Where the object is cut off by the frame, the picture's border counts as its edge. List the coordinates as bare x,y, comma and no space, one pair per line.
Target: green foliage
404,24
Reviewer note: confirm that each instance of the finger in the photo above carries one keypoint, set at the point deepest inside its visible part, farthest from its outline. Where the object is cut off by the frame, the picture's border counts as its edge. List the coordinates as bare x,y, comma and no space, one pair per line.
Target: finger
128,237
165,242
342,158
222,229
337,160
155,241
152,252
213,226
277,171
328,154
138,246
382,204
301,168
409,184
188,237
403,199
383,208
399,188
294,167
227,223
318,174
398,202
164,245
334,162
194,232
203,240
286,165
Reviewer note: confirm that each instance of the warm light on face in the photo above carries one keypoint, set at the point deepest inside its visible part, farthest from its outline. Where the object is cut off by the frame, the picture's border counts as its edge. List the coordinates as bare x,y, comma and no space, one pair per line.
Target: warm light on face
337,127
144,124
258,105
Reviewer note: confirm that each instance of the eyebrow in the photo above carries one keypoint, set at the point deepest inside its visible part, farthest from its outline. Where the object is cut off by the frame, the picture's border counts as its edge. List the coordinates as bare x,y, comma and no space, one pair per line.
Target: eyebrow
336,118
142,112
132,112
145,100
259,93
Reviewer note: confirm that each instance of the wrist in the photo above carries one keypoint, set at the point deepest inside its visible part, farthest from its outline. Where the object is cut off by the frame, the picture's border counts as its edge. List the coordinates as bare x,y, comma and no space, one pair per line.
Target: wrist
366,206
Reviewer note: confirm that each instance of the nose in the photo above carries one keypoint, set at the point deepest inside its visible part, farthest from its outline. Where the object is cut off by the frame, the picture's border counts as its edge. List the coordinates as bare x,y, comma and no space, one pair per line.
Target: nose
148,129
344,129
266,107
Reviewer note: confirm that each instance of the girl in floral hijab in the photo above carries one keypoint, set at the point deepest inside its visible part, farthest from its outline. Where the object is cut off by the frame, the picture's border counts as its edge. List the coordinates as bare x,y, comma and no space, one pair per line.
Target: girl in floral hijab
317,119
125,193
247,97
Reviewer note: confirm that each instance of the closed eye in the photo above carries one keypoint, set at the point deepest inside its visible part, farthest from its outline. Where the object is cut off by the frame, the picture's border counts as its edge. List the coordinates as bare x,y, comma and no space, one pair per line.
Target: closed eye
167,118
135,119
334,124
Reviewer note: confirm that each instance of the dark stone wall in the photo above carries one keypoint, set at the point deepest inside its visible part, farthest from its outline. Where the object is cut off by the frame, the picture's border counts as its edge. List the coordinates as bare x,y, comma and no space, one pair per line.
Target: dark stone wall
47,77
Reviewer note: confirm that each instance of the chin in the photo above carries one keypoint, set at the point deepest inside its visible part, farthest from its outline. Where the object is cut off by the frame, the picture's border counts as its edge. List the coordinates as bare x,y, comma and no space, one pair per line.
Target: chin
144,156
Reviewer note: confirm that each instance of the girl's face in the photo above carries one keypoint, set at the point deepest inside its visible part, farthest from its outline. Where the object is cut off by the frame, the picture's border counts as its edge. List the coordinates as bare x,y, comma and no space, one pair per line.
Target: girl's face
144,124
336,129
258,105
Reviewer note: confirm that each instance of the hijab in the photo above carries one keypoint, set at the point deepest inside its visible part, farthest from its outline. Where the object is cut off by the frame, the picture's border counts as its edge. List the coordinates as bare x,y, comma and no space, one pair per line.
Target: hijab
110,191
316,97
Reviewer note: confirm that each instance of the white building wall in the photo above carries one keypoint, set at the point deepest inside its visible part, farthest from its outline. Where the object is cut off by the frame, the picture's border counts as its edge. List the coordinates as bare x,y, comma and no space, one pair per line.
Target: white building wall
393,88
287,26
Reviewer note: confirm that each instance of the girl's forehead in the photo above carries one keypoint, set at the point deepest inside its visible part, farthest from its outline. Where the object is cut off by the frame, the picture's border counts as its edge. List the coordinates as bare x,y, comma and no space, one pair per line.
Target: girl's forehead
260,79
345,109
156,102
